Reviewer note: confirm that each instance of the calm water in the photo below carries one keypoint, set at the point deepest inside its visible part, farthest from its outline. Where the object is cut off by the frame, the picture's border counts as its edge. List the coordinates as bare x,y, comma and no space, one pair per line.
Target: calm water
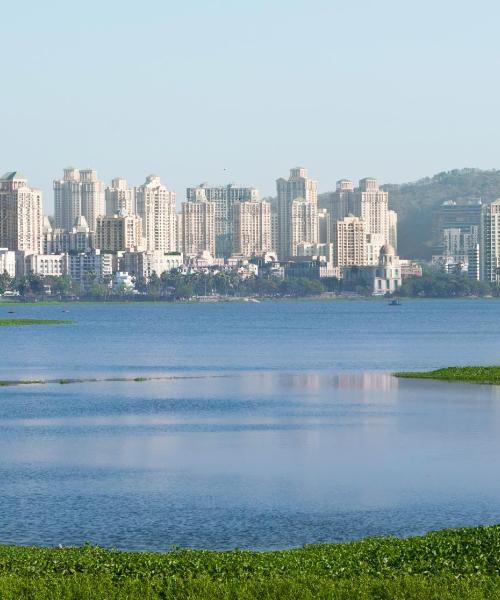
283,425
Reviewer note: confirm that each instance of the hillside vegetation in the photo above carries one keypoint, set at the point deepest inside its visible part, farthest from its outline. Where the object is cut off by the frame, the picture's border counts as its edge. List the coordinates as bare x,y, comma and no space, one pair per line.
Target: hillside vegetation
416,203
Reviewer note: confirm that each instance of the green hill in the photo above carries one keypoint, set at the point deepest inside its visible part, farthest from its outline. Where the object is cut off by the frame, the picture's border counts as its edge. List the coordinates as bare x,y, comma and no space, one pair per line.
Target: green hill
416,203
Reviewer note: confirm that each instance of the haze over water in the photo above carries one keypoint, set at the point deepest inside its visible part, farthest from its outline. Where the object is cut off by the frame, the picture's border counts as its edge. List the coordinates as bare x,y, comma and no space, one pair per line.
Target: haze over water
282,426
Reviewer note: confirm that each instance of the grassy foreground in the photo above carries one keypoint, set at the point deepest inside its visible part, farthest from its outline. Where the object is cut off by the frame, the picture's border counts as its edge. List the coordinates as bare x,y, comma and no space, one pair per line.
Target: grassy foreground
488,375
451,564
15,322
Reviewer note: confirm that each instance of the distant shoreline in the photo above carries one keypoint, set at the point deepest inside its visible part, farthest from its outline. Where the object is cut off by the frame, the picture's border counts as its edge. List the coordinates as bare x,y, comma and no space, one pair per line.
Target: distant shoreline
69,380
232,300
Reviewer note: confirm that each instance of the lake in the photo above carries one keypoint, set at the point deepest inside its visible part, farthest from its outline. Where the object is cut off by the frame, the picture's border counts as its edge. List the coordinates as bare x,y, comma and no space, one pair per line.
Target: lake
276,424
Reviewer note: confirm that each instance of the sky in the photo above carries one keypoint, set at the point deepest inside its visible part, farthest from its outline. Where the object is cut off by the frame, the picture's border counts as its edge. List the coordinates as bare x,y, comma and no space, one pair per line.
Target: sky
241,91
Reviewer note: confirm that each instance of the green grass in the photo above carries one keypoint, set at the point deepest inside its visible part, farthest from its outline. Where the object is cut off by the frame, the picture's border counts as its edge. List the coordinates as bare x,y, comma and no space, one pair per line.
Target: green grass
15,322
451,564
487,375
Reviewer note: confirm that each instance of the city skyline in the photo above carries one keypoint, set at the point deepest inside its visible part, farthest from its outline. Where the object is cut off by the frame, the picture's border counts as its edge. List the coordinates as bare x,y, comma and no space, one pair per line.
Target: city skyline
49,197
240,92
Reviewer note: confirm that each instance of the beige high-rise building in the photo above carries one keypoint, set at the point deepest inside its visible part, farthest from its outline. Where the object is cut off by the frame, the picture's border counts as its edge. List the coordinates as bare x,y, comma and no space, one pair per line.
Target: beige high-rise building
225,197
178,232
119,232
297,186
338,203
79,193
21,217
156,206
93,204
119,197
303,224
370,204
274,226
198,227
349,242
252,228
67,199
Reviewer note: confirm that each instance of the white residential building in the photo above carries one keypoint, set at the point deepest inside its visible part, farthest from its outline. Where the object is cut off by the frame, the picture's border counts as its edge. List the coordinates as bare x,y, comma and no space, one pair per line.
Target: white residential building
317,250
198,227
297,187
349,242
144,264
119,197
21,218
54,265
338,203
225,198
87,266
79,193
370,204
156,207
303,224
252,228
7,262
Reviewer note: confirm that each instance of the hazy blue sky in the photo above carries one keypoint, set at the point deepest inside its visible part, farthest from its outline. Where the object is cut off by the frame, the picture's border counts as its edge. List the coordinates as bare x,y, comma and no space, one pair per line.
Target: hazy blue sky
187,89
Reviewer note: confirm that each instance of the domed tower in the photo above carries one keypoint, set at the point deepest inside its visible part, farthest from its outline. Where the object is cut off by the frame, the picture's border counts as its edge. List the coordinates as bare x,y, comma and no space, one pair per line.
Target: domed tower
388,273
388,256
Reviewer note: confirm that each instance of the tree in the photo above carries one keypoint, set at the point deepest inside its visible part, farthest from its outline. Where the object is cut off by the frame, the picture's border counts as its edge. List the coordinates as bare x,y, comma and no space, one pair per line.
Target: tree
5,282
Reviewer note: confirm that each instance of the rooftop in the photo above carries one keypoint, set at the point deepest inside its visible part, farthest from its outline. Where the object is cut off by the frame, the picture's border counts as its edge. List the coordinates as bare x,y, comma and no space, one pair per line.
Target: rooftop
12,175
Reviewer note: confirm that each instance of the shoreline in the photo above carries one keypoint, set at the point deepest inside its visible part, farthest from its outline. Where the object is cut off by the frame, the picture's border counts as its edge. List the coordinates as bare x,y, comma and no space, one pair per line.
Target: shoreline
240,300
449,564
70,380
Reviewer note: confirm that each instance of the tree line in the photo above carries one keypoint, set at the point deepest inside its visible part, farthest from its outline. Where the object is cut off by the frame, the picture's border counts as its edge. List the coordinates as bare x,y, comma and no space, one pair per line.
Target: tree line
175,285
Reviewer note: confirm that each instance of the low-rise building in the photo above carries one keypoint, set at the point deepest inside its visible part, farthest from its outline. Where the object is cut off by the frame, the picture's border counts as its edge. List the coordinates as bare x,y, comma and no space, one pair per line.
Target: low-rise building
87,266
7,262
123,282
53,265
144,264
409,269
315,267
323,250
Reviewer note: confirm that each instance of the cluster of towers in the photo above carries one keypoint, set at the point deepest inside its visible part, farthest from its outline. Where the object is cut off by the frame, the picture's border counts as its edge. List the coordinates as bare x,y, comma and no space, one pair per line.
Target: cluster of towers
348,226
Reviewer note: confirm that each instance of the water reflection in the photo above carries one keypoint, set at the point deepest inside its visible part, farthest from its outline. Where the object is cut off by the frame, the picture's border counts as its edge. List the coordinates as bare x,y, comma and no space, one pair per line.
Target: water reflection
258,459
